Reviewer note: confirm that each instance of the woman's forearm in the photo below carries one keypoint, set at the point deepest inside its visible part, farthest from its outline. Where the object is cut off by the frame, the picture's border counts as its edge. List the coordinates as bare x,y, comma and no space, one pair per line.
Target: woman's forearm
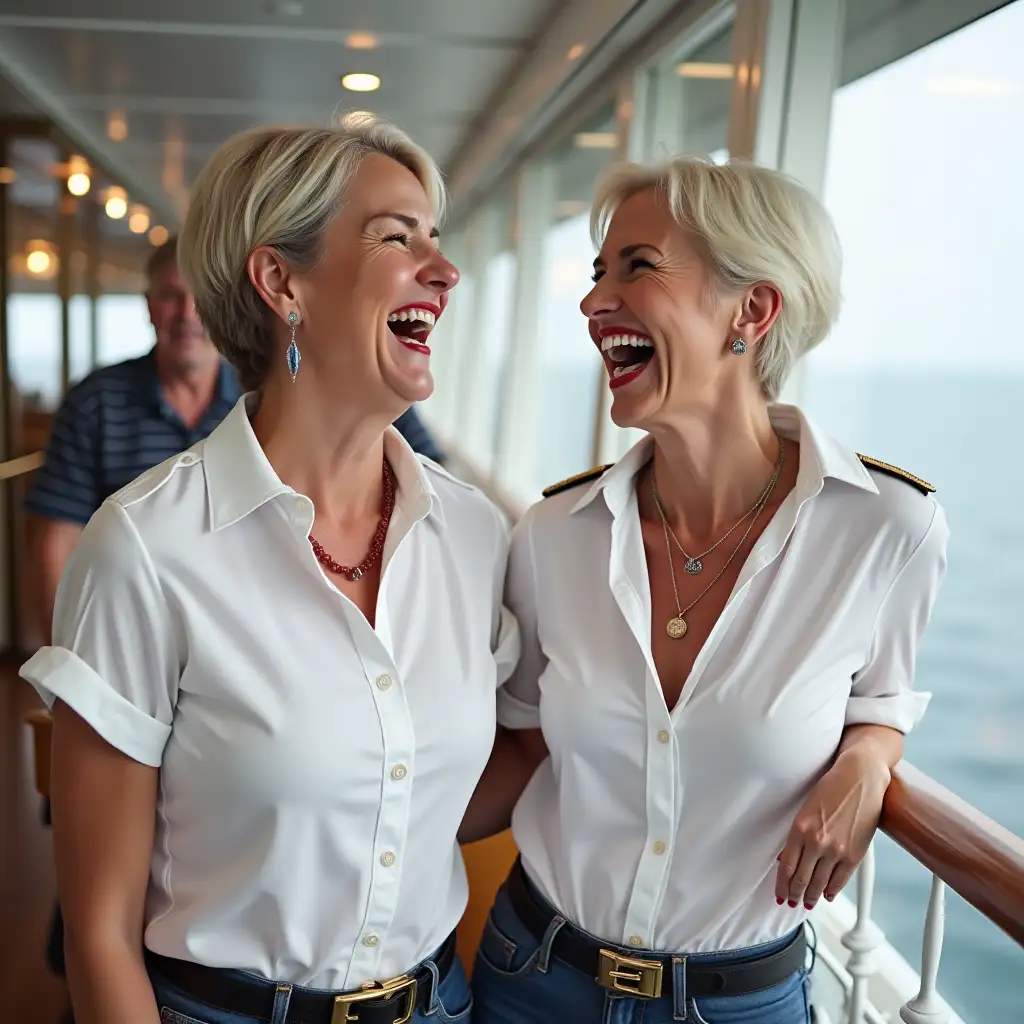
109,983
514,759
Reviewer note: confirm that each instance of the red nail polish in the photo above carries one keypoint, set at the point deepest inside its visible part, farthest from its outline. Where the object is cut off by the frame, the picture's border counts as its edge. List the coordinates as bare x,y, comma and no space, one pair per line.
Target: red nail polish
779,900
792,903
808,906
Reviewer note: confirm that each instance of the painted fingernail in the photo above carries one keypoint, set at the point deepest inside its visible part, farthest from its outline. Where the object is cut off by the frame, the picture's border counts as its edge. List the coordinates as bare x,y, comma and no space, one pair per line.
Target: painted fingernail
779,900
792,903
829,896
808,906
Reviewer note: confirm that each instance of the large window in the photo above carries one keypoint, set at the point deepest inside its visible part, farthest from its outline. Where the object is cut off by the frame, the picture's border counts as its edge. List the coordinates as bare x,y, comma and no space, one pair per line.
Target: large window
926,370
566,368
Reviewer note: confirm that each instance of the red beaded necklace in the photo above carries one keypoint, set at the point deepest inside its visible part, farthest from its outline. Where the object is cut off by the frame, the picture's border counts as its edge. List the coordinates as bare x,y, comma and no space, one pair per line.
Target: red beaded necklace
356,572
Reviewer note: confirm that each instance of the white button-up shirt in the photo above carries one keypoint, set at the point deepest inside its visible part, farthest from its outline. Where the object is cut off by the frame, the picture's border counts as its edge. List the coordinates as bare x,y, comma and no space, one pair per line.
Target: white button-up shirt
313,770
660,828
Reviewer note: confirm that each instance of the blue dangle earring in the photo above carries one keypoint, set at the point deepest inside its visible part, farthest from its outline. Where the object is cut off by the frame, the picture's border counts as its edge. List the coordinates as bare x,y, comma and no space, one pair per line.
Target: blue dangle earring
293,350
739,346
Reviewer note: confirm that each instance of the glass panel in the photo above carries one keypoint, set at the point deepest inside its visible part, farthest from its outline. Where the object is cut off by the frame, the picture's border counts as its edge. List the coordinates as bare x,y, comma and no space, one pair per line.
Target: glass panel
568,368
34,338
690,93
925,370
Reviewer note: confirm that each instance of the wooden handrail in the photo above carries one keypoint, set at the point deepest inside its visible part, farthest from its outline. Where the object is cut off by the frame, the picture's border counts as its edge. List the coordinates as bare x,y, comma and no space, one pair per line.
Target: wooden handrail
974,855
21,465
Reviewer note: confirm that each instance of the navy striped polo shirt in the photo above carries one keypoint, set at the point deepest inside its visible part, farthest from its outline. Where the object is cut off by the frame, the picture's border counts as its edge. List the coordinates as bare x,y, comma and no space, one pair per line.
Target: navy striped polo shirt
113,426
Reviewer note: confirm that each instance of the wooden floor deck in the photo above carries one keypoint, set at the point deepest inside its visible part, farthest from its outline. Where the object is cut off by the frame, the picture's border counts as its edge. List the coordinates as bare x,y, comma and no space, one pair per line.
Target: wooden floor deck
29,992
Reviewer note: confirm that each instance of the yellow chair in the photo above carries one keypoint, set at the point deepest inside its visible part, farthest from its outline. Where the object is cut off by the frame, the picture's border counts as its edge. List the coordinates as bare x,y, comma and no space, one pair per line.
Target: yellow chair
487,862
487,866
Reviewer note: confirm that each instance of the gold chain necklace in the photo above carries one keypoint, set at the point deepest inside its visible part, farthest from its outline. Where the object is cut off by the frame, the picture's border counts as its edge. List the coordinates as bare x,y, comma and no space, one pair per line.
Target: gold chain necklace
676,626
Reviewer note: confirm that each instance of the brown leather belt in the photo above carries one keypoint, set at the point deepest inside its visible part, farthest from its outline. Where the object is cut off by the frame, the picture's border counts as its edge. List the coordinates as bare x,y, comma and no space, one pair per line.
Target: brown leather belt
642,975
387,1002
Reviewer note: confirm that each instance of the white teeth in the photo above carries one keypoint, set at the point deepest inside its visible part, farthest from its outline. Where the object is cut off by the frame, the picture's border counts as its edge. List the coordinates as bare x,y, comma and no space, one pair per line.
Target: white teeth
423,315
634,340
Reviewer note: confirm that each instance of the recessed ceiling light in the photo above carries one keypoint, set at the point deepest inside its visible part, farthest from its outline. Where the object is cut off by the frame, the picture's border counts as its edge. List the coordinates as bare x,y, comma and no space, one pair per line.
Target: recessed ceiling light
360,82
158,234
575,52
117,202
704,69
117,126
361,41
596,140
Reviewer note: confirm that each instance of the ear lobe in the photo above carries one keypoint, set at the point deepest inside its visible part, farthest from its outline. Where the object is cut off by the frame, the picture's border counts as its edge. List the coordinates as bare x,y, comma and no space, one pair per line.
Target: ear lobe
271,277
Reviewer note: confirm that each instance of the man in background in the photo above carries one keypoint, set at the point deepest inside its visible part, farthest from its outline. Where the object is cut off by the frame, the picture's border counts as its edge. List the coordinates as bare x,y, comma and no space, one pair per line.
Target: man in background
124,419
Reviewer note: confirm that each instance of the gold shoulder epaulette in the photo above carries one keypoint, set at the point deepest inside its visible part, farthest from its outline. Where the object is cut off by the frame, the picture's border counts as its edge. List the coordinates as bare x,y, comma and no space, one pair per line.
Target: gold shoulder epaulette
901,474
575,481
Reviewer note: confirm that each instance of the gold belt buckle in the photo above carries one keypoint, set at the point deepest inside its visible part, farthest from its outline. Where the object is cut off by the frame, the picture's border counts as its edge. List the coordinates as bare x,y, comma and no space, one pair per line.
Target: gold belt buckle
374,991
629,975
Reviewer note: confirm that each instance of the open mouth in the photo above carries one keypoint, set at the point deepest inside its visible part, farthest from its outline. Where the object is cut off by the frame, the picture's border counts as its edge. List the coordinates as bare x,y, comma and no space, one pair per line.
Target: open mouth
626,355
411,325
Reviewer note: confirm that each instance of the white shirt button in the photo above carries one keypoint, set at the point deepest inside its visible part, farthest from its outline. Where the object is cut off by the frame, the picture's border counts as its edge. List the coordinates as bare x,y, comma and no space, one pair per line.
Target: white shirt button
384,682
663,736
370,940
659,847
399,772
635,940
387,859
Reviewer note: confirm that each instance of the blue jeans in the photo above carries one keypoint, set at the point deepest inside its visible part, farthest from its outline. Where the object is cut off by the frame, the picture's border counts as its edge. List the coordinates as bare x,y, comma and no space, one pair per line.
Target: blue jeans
516,980
451,1003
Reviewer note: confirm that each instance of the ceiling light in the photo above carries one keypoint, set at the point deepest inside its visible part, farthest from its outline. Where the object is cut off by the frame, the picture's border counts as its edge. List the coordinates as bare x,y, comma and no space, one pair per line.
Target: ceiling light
575,52
596,140
361,82
158,234
361,41
40,257
117,126
703,69
117,202
8,176
138,222
79,183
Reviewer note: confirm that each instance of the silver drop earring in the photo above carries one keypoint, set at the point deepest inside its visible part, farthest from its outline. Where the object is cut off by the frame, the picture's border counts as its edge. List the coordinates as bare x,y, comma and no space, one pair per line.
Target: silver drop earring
293,349
739,347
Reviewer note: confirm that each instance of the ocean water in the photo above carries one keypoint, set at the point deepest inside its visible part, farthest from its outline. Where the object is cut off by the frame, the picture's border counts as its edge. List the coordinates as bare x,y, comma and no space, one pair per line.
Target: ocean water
962,432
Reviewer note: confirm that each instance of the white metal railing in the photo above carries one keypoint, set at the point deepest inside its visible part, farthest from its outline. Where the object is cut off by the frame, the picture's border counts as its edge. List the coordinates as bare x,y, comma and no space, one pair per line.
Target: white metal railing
871,963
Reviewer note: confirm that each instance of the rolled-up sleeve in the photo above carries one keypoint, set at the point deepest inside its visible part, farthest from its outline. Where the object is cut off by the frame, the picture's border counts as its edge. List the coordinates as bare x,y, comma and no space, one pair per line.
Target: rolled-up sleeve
519,698
113,659
883,690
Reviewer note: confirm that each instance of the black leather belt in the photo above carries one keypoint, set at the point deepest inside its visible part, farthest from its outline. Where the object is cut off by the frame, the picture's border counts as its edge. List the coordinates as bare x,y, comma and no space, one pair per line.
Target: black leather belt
643,975
388,1002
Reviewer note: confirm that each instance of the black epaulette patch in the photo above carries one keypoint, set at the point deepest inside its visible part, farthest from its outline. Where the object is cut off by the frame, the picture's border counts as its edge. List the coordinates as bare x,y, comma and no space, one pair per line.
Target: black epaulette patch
901,474
575,481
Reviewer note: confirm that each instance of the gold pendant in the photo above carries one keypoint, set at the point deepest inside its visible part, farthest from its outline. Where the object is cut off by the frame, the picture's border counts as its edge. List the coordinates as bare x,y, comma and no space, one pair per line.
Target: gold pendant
676,627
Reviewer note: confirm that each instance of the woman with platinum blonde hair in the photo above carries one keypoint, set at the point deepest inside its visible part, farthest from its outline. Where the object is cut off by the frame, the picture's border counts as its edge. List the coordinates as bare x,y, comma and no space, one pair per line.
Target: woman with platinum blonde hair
275,656
718,633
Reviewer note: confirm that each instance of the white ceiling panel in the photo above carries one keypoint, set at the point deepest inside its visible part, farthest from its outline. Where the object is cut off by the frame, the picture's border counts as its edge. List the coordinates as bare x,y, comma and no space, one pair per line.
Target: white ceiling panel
187,75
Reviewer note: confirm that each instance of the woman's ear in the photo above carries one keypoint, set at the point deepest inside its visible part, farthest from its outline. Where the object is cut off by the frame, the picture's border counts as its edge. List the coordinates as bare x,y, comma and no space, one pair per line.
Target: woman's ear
272,279
760,309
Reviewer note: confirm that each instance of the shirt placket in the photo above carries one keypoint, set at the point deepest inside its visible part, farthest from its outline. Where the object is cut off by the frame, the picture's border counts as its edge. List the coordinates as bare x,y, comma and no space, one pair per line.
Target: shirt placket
397,766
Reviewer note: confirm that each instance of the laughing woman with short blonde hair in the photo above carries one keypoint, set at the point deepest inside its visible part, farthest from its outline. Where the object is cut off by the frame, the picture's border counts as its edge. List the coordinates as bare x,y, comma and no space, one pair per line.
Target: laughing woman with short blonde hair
275,656
718,633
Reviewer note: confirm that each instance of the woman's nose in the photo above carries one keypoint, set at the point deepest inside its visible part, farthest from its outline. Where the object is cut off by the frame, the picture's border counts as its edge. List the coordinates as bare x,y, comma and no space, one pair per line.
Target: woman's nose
600,299
440,274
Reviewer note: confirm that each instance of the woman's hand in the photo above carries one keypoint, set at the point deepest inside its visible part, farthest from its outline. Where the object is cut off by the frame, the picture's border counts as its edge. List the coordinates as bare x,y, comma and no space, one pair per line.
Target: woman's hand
834,828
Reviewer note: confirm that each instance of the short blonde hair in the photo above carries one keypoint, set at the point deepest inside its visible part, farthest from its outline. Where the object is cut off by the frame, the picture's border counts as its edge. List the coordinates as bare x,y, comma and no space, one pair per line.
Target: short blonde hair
280,187
757,225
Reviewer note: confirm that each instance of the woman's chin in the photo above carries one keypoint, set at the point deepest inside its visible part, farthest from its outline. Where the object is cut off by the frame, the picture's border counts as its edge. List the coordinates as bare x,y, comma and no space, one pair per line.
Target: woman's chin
408,370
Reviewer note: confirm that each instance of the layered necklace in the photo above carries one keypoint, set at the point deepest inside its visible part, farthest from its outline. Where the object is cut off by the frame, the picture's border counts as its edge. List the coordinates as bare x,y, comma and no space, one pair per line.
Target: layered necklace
676,626
356,572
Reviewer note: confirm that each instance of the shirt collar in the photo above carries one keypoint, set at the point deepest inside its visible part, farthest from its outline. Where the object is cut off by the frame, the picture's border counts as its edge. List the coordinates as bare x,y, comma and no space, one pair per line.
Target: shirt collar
240,478
821,456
